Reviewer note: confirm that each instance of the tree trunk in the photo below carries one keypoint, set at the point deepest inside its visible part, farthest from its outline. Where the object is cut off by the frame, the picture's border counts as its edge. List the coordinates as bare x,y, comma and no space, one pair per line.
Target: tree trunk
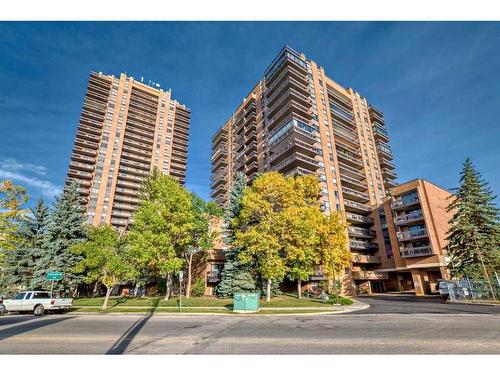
188,284
106,299
268,296
95,289
299,288
167,293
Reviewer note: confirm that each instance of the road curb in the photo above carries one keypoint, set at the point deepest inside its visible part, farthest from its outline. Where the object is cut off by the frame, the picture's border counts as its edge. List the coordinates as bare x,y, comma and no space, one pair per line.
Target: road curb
356,306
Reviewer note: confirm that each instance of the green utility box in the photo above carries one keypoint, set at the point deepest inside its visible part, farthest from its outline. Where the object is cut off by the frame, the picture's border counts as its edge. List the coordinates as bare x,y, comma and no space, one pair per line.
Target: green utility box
246,302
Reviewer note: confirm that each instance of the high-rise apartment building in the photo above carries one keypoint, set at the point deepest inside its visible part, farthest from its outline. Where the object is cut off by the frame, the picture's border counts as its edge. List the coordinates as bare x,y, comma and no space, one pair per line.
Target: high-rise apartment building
126,129
297,120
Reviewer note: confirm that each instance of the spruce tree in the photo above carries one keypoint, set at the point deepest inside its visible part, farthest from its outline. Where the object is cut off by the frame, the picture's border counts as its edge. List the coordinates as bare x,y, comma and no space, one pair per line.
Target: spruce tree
235,277
20,262
65,228
473,237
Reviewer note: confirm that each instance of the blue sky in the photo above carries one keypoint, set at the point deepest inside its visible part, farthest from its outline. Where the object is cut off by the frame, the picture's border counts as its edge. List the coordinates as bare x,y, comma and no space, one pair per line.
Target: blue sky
438,85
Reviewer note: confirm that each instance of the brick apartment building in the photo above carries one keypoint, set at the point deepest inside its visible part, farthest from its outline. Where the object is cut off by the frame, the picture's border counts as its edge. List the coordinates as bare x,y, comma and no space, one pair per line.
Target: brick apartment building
297,120
126,128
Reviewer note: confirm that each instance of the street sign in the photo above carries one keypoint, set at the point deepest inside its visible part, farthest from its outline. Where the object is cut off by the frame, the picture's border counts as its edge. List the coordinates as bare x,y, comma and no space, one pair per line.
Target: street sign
181,275
54,276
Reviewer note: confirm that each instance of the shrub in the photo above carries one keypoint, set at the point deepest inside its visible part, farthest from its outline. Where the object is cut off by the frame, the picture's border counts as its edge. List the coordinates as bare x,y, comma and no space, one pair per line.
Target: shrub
198,288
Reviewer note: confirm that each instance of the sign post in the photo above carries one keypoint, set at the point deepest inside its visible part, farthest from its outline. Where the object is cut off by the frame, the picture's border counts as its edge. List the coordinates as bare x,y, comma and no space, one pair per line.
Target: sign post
181,276
53,276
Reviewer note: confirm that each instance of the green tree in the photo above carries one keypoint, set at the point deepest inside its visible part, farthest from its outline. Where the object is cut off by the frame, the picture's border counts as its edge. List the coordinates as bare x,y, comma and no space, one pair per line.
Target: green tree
162,226
19,263
474,233
65,228
12,199
104,259
202,235
235,276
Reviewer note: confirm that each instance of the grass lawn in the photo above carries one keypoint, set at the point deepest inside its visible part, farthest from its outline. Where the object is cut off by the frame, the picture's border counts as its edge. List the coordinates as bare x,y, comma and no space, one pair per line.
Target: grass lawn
285,300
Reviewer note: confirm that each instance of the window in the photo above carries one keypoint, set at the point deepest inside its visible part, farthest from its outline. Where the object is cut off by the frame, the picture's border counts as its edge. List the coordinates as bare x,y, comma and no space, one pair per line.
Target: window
28,296
40,295
20,296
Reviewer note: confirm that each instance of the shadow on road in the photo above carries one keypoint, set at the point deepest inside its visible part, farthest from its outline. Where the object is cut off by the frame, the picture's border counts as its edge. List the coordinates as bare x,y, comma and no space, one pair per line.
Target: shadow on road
33,324
121,345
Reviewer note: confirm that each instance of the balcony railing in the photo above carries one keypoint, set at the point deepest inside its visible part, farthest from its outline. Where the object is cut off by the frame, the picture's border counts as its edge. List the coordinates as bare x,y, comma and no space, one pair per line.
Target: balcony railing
366,259
403,219
361,232
369,275
400,203
360,219
412,235
362,245
364,208
413,252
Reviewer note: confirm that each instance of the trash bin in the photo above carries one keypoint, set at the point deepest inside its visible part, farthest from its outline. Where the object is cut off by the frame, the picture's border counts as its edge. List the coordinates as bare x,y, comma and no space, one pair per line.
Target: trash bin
246,302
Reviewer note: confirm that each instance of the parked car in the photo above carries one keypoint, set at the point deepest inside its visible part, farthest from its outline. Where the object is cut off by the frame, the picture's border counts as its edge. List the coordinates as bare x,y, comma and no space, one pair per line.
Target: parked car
3,310
38,301
443,289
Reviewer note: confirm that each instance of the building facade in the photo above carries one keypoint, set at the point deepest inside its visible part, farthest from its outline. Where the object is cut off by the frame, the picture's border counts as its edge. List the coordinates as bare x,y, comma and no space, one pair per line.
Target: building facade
297,120
416,219
126,129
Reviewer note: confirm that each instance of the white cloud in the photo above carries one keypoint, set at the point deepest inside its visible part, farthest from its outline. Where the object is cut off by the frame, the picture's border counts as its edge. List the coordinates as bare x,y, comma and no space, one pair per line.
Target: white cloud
22,173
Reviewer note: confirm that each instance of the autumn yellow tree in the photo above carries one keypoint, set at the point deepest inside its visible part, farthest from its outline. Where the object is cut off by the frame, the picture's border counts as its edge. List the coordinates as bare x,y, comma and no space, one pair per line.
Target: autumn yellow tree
277,227
335,253
12,199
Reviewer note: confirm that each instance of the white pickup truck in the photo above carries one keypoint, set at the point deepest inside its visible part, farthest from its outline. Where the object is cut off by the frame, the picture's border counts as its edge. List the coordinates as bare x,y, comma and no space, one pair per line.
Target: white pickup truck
37,301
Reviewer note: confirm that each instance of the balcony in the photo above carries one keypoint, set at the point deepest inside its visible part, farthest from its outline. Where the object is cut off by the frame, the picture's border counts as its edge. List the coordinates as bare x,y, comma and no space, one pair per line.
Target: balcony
388,173
291,107
293,145
362,245
384,163
412,235
296,160
380,133
413,252
353,183
385,151
213,277
409,218
355,195
347,135
219,153
358,219
388,183
369,275
293,129
400,204
361,232
351,172
351,159
357,207
251,168
366,259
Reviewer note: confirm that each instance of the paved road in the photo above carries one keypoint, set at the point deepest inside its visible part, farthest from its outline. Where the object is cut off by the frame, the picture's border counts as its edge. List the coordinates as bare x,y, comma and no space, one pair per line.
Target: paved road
409,304
369,332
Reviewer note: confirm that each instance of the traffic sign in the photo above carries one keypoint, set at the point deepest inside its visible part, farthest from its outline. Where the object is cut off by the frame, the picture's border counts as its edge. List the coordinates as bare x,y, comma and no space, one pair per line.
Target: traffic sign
54,276
181,275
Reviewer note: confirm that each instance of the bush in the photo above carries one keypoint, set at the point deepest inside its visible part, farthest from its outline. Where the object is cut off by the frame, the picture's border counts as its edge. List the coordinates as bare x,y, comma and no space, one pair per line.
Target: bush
198,288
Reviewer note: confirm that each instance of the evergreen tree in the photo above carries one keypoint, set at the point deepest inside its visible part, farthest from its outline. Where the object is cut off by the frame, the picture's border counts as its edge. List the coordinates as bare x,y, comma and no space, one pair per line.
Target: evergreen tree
474,235
235,277
20,262
65,228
